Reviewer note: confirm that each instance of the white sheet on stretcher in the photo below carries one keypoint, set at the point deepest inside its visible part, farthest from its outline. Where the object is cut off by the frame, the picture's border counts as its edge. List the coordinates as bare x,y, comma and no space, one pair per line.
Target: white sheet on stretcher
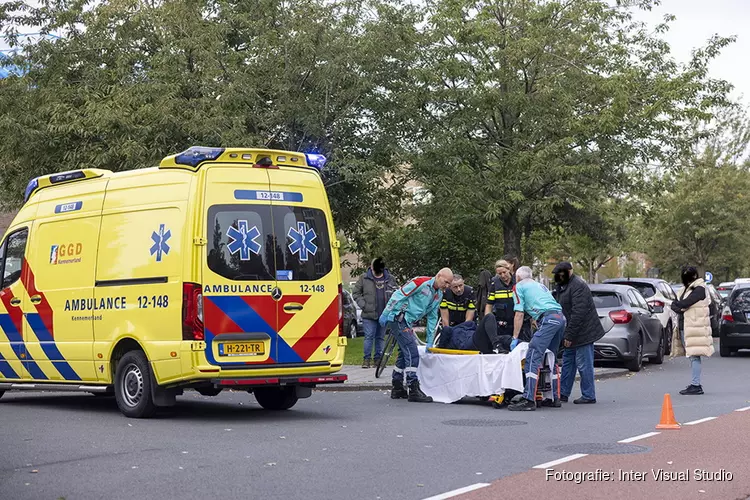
450,377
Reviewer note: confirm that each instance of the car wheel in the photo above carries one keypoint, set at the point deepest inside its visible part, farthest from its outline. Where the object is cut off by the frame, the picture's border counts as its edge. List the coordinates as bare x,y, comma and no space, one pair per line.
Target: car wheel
724,352
635,364
209,391
353,330
133,386
276,398
659,357
668,344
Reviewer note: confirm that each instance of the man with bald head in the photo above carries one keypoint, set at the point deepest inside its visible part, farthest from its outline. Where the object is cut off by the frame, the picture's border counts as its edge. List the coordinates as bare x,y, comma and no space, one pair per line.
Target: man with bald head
417,299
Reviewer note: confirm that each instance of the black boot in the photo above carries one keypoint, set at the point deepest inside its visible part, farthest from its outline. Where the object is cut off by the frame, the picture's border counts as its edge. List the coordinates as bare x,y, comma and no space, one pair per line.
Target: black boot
398,391
416,395
692,390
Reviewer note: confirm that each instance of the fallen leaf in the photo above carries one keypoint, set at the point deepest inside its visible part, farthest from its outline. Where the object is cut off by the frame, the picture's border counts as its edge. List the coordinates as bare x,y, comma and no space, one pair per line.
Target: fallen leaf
670,462
184,453
34,471
343,426
130,425
399,436
271,464
701,491
134,467
180,468
306,459
282,437
227,429
479,473
421,485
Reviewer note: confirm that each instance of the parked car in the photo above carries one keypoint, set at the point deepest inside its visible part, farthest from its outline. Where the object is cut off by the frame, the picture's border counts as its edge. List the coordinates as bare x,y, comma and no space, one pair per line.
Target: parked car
352,317
659,295
725,289
734,333
714,309
632,328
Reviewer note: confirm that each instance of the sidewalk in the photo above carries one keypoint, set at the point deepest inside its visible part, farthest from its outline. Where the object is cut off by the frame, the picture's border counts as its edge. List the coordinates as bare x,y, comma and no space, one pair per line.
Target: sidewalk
361,379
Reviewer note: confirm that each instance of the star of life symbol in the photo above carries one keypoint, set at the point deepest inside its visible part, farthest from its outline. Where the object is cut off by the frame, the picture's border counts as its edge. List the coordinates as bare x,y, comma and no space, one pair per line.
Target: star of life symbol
160,246
242,240
302,241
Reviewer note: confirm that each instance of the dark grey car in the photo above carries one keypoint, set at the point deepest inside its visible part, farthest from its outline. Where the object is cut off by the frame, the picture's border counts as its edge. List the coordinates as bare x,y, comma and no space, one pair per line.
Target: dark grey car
632,328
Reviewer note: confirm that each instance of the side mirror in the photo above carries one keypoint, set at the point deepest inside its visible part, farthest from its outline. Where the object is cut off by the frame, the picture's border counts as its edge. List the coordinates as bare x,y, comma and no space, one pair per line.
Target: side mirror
657,309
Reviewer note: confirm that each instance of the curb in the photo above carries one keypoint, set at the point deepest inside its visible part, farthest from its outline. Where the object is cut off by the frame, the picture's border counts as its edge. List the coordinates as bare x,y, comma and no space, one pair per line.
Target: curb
381,386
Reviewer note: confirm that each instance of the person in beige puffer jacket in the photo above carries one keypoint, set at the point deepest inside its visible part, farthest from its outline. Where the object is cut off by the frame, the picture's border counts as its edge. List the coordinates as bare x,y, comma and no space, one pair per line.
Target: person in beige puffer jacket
695,326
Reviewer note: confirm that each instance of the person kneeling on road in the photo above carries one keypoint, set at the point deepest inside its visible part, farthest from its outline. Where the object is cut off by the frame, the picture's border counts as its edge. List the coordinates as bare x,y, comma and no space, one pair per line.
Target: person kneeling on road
534,298
470,336
417,299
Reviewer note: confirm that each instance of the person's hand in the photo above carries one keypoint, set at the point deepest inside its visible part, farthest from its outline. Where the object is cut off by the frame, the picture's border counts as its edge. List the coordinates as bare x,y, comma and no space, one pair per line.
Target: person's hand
513,344
567,343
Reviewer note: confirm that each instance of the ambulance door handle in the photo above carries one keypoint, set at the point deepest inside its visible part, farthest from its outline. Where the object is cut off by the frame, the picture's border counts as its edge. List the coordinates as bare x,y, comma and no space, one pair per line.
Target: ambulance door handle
293,307
15,302
36,299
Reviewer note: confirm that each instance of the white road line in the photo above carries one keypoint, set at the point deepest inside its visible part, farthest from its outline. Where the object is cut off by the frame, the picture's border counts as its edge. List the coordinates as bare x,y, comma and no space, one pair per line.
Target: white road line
636,438
743,409
451,494
699,421
560,461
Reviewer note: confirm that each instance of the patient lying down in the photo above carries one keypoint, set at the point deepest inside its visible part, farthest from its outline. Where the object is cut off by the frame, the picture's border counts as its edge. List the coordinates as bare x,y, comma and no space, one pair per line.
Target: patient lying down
469,336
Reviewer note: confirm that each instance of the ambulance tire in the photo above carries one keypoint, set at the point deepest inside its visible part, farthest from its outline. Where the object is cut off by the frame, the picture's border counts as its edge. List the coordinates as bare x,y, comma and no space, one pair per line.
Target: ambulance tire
133,386
276,398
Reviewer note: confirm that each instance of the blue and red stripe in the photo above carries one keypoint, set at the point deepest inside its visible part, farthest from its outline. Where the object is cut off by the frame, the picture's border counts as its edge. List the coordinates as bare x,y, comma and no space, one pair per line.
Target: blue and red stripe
8,326
49,347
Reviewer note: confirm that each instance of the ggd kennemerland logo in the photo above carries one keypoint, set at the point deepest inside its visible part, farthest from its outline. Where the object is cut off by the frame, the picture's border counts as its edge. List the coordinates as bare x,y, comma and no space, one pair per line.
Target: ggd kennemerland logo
69,253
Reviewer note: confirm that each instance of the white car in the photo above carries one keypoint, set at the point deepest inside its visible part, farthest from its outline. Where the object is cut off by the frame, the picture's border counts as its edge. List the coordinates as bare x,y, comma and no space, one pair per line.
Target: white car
659,296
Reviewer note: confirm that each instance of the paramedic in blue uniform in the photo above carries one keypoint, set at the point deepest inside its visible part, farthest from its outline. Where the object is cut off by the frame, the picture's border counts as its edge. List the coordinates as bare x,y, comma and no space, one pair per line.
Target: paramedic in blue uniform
417,299
535,299
458,304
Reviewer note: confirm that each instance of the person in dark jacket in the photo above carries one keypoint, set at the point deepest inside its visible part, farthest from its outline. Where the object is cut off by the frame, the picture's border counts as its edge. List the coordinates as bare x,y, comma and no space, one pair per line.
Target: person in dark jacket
470,336
371,293
582,330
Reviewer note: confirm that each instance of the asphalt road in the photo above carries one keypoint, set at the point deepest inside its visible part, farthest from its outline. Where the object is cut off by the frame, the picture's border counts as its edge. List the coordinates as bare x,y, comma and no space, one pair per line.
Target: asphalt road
334,445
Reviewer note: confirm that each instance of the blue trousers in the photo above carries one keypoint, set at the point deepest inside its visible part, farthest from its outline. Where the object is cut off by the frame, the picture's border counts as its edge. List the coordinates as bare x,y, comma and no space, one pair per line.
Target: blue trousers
580,359
548,336
408,355
374,334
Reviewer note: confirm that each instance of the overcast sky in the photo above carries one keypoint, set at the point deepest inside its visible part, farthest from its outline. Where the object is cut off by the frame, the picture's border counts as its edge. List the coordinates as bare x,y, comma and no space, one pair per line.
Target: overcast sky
696,21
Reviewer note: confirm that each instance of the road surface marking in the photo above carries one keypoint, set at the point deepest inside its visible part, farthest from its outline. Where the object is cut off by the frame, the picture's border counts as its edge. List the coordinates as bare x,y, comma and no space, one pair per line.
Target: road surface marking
560,461
459,491
744,409
636,438
699,421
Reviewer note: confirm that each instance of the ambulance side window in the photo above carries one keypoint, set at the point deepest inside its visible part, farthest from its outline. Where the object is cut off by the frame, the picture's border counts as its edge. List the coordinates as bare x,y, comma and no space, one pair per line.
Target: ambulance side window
13,251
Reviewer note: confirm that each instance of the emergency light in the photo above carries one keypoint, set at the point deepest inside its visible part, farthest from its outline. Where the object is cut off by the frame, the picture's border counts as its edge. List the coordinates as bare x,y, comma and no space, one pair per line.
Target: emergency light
316,160
195,155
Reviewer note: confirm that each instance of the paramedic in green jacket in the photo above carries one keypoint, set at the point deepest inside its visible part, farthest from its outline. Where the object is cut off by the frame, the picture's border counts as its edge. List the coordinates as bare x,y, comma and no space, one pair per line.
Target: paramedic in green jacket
535,299
417,299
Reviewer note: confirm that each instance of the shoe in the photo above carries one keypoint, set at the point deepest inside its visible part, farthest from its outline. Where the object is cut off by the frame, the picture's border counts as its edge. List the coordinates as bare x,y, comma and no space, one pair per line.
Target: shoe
692,390
416,395
551,404
523,405
366,363
584,401
398,391
564,399
375,362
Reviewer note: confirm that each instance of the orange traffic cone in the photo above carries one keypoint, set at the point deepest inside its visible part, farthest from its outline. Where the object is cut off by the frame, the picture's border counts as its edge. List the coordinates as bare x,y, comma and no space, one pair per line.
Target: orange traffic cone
667,415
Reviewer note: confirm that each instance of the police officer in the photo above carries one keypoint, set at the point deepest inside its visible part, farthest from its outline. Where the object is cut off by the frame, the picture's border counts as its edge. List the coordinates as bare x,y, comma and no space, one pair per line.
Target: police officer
458,303
500,302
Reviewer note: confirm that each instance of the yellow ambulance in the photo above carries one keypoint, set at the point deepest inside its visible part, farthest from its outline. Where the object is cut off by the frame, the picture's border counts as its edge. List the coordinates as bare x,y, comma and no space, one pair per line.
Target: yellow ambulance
218,269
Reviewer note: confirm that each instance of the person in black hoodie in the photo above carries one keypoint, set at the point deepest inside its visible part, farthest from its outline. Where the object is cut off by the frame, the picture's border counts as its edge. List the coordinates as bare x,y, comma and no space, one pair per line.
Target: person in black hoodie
371,293
582,330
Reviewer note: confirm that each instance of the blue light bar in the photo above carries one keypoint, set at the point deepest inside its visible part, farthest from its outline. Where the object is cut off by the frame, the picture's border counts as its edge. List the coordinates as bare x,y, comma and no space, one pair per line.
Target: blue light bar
316,160
195,155
67,176
30,187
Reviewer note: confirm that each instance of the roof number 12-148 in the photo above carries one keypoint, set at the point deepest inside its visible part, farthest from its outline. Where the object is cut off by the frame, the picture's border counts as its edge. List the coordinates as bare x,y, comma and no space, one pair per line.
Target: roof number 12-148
312,288
270,195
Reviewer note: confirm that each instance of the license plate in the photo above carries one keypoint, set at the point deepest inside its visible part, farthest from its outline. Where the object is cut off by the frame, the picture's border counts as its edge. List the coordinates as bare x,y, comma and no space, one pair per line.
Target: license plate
242,349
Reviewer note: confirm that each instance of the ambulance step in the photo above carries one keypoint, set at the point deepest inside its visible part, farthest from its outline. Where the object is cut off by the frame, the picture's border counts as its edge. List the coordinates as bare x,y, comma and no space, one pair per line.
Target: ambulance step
33,386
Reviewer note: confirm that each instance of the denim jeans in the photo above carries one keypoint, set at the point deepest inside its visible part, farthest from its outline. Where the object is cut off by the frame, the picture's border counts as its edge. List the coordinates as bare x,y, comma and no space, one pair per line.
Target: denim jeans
408,355
548,336
695,364
374,334
580,359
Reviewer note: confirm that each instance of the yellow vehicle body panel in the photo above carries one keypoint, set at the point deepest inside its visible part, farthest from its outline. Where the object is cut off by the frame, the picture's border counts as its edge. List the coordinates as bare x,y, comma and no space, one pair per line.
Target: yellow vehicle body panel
96,261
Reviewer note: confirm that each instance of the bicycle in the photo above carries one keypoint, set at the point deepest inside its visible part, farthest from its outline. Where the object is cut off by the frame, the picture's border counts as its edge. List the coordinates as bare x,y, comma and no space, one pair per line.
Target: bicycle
390,345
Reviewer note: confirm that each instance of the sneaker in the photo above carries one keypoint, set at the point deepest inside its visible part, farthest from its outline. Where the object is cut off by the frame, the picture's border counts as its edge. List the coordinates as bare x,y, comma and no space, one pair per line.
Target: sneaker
416,395
398,391
551,404
366,363
584,401
692,390
564,399
523,405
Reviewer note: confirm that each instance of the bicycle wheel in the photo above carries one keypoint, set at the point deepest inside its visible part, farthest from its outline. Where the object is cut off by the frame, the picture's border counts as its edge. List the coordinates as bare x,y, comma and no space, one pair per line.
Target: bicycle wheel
390,344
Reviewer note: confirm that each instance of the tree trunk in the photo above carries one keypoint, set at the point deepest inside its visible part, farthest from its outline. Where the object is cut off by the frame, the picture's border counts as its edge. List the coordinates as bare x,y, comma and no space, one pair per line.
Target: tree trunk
512,236
592,272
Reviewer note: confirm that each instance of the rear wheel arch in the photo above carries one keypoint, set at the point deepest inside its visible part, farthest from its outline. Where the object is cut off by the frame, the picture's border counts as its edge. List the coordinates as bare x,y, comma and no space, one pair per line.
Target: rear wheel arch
121,348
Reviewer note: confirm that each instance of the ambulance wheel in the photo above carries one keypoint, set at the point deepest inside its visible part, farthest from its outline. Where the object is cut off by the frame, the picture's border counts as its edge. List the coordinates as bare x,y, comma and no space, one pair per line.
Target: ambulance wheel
133,386
276,398
209,391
